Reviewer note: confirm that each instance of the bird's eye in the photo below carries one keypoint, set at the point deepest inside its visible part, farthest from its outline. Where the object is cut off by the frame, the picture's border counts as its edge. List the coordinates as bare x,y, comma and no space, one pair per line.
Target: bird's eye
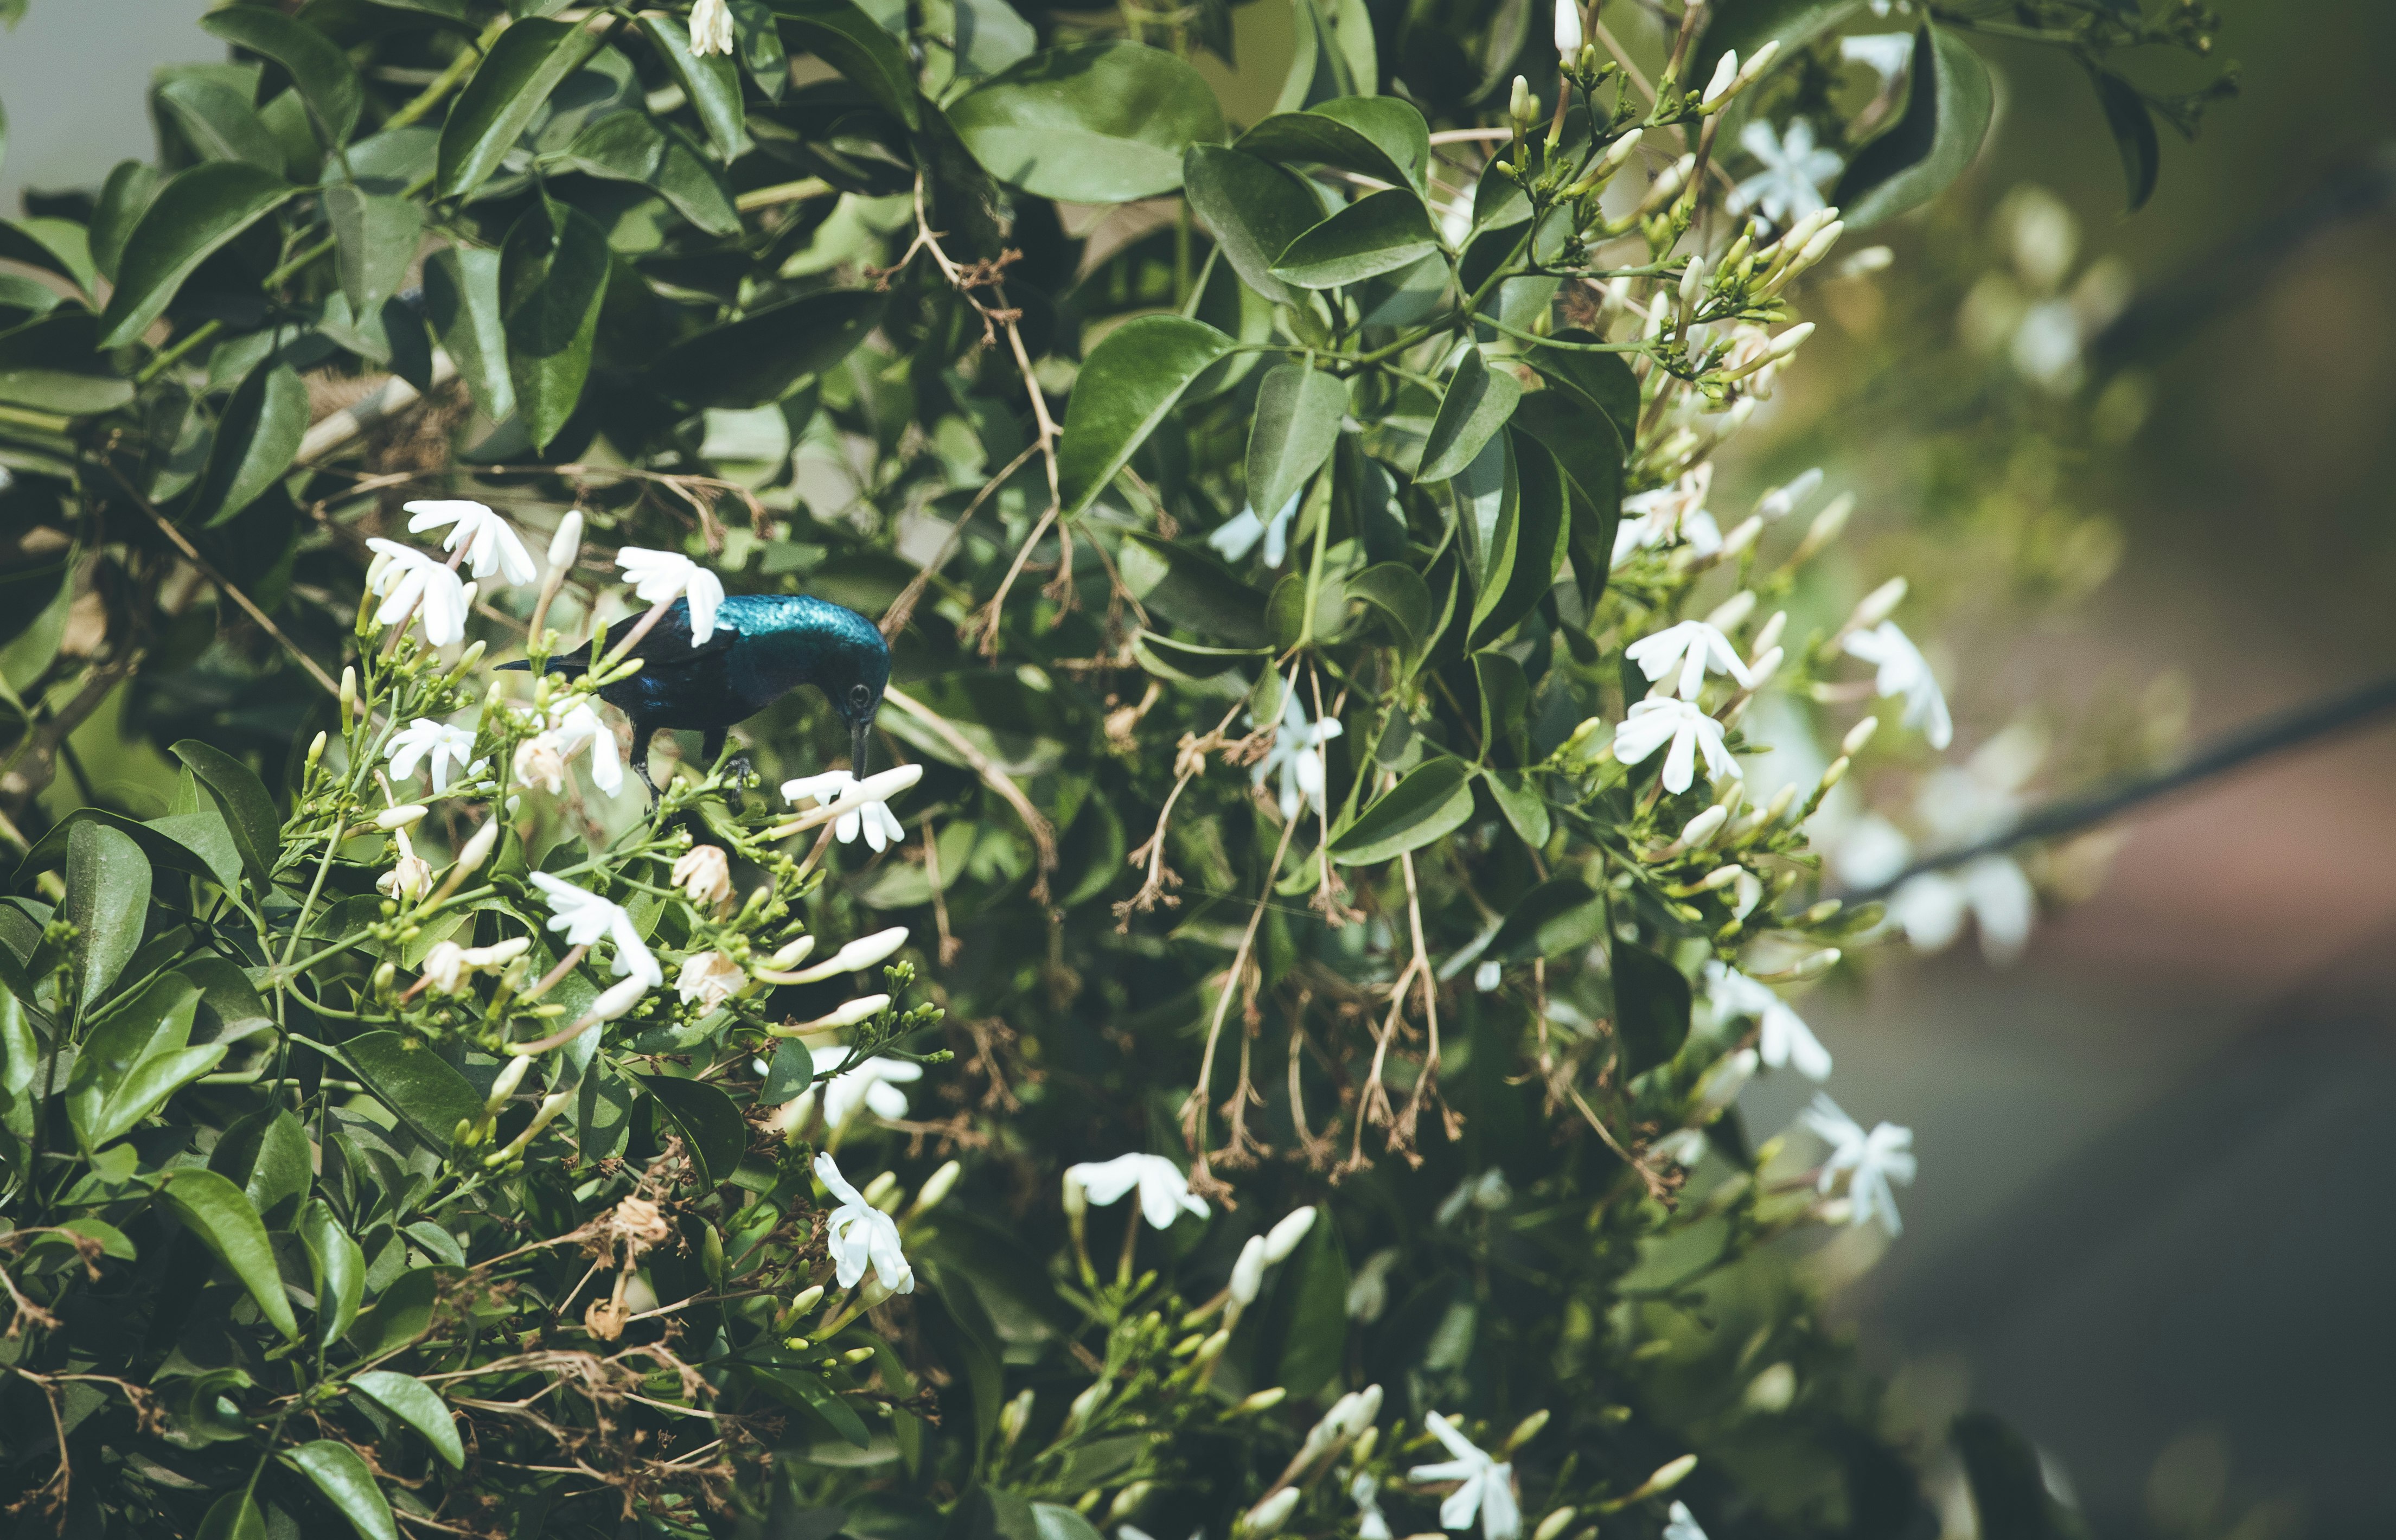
858,695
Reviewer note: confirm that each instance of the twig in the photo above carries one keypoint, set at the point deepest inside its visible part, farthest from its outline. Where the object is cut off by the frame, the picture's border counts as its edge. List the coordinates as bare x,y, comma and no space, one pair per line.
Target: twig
1043,833
1194,1110
902,610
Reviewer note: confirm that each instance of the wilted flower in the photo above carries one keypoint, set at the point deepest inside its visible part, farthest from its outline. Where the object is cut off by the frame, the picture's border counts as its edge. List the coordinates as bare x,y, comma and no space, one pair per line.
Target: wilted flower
704,876
1163,1189
1904,672
709,978
872,1086
1790,186
659,576
1297,754
1872,1160
711,28
1653,723
587,919
1486,1486
436,745
1239,533
1693,647
414,581
867,815
859,1235
491,545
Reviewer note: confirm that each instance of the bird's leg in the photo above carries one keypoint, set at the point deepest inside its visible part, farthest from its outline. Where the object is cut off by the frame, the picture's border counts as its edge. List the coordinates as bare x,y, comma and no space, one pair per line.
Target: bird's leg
641,732
711,750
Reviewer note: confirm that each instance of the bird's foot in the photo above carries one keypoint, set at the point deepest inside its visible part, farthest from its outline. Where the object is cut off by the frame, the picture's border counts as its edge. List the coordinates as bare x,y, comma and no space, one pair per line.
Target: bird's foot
738,770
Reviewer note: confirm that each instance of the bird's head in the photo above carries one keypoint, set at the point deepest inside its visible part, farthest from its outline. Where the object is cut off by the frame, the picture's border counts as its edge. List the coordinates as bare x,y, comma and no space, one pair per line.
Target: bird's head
853,678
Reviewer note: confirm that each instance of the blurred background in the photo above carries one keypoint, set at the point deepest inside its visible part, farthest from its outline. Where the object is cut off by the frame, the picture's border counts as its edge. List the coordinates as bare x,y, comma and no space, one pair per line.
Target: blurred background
2150,1226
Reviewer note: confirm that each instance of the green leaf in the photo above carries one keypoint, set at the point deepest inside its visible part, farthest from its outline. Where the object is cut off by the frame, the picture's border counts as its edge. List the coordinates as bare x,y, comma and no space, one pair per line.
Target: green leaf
417,1404
1379,137
135,1057
219,122
1055,1521
461,302
1311,1295
1435,799
1298,411
1375,234
860,47
279,1180
2009,1493
378,235
1651,1008
342,1477
107,902
1602,381
416,1083
1505,693
1192,590
631,147
1517,796
2134,134
19,1049
507,92
337,1267
711,1125
1525,549
256,440
319,70
191,218
552,279
1561,915
1947,114
1126,385
400,1315
1478,402
1098,122
756,360
241,797
54,364
712,83
234,1516
1255,209
762,53
54,245
1398,591
122,198
218,1212
1590,457
1188,663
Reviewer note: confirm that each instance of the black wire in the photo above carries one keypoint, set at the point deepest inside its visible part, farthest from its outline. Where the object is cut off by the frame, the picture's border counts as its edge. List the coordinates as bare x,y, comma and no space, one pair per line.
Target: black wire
2070,814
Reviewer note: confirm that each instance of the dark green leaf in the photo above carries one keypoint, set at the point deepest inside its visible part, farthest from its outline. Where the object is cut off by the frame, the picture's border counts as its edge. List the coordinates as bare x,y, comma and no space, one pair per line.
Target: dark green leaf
1590,457
1126,385
192,216
1947,111
760,43
1651,1008
1602,381
553,280
756,360
234,1516
1434,798
1398,591
1098,121
1188,663
1379,137
344,1479
711,83
1192,590
803,1389
711,1125
1478,402
1375,234
136,1057
860,47
241,797
1255,209
219,122
378,235
122,198
1313,1290
1298,411
318,68
54,364
416,1083
400,1315
1517,795
194,843
1525,549
507,92
2134,134
256,441
1559,916
54,245
337,1267
415,1403
461,302
631,147
2009,1494
107,902
1505,708
218,1213
279,1180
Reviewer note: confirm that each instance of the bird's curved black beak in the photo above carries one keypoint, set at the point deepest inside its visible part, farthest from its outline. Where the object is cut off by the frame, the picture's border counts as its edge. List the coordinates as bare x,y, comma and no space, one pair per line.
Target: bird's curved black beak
859,741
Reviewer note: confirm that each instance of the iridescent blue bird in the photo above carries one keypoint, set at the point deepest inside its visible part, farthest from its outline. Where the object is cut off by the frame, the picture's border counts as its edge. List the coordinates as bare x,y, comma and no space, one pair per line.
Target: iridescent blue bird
765,645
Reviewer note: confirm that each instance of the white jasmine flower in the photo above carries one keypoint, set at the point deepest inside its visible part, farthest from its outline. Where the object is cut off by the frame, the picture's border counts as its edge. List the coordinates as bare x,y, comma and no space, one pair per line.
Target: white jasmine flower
1790,186
448,965
1567,30
412,580
1488,975
1693,647
581,726
858,1234
872,1086
1683,1147
1247,1277
1872,1160
704,875
491,545
1239,533
711,28
867,815
1165,1192
1904,672
1786,1040
1283,1238
659,576
1680,1524
437,745
1888,53
410,877
1297,754
1678,512
1365,1492
1781,502
1488,1192
1652,724
709,978
1486,1486
1994,890
1368,1292
587,919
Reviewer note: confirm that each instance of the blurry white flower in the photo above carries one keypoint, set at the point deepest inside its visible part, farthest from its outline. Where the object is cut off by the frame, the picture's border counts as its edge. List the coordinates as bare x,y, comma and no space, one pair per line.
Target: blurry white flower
711,28
1994,890
1297,754
872,1086
1781,502
1365,1492
1678,511
1693,647
436,745
1904,672
414,581
1790,186
1239,533
1872,1160
1488,975
1368,1292
868,815
1683,1147
1680,1524
658,576
858,1234
1786,1040
1283,1238
1653,723
1568,31
491,545
587,919
709,978
1489,1192
1247,1276
1486,1486
1888,53
2047,346
1164,1190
